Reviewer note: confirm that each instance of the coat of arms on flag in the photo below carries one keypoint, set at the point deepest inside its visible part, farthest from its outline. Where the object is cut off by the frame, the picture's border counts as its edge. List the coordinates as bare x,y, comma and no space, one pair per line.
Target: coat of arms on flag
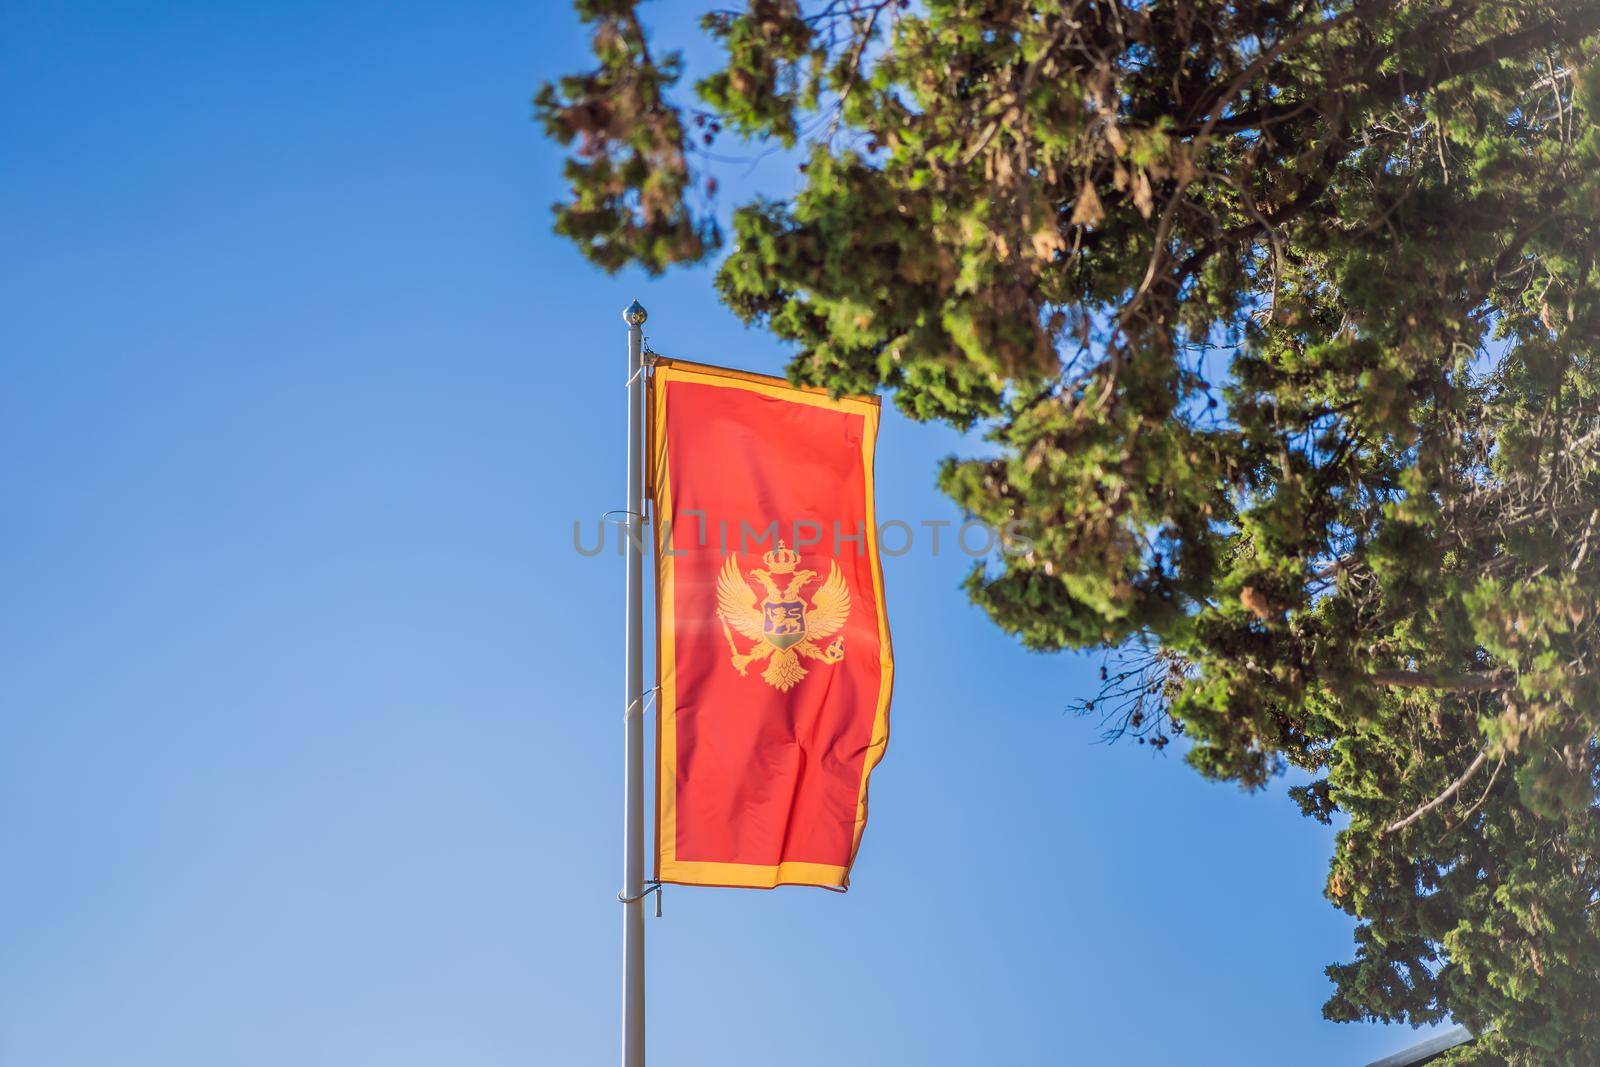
783,626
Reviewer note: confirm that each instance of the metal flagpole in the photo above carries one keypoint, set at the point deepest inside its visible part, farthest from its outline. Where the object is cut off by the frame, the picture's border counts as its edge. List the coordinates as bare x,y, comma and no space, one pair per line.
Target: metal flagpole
633,713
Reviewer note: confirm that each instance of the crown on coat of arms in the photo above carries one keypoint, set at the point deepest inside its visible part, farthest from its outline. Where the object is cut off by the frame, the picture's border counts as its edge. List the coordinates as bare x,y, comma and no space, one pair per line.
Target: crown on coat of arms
781,560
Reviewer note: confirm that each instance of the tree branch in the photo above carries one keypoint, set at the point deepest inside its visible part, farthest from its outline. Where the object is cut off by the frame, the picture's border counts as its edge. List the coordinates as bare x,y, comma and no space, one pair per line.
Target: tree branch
1472,682
1493,778
1579,25
1449,791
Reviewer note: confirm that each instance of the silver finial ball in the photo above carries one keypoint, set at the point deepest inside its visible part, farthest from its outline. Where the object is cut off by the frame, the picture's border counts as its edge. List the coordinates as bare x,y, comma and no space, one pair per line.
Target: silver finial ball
635,314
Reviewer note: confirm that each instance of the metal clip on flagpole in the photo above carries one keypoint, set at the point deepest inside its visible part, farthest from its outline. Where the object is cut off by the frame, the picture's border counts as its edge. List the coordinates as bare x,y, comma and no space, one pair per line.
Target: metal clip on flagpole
643,701
633,890
650,887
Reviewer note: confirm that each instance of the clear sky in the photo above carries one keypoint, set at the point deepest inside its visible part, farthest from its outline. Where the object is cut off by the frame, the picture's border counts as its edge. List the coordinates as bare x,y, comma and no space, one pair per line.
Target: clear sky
310,726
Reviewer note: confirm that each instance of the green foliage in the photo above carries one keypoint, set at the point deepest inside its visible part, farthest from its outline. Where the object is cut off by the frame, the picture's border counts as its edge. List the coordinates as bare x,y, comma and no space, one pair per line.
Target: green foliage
1283,320
630,172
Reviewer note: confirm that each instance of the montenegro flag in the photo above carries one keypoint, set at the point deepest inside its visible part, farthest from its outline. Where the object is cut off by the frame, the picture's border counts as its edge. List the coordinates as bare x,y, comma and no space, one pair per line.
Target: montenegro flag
772,653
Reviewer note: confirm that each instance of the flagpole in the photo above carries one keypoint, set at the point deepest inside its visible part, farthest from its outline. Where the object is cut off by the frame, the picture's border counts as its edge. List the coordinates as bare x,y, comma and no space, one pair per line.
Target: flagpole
633,710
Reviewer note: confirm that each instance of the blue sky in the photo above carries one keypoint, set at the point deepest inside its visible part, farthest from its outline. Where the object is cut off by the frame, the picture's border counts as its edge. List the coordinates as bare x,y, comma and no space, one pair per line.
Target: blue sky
310,738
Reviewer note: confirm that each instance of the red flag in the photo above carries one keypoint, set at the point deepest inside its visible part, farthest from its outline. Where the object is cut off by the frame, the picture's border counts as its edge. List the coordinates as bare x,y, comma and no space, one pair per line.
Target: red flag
773,654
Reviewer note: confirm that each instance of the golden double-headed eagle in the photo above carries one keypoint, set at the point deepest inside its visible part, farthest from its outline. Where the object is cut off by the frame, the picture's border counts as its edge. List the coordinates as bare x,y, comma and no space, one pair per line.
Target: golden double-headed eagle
780,622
